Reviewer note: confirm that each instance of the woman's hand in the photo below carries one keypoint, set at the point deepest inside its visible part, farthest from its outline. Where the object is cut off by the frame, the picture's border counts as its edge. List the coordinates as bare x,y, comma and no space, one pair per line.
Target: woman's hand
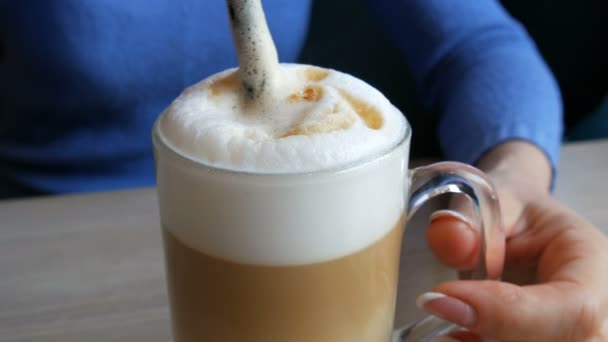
556,271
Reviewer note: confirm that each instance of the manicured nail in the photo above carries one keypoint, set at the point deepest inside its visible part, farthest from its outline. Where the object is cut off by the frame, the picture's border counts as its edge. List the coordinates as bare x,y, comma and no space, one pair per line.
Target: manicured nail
444,339
447,308
427,297
450,214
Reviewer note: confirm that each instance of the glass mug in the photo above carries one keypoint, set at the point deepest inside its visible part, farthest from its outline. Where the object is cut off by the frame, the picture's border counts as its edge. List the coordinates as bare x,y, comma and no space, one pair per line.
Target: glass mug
303,257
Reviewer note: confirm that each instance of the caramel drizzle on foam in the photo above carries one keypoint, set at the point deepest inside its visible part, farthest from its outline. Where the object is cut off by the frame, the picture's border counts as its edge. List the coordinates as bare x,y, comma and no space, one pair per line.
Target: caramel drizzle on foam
313,93
228,83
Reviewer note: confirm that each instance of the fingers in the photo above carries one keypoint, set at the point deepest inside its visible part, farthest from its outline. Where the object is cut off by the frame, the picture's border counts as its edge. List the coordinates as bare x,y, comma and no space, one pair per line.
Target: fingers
508,312
453,240
565,246
568,256
453,235
467,336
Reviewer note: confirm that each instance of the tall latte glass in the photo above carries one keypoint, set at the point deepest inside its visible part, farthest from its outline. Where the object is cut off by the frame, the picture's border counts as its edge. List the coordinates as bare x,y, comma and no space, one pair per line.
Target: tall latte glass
289,227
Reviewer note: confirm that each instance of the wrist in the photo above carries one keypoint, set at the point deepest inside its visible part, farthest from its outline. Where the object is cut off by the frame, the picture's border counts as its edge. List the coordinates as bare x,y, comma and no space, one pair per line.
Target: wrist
520,165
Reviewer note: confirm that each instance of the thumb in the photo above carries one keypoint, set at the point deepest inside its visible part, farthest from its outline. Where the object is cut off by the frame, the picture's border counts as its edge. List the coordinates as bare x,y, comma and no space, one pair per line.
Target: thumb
506,311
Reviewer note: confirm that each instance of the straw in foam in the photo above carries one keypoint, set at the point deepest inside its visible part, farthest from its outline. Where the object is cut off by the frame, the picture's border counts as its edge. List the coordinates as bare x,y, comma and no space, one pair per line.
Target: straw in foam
257,54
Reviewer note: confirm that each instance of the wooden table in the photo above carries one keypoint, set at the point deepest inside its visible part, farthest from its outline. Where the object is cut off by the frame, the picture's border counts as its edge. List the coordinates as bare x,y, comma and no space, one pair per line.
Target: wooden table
89,267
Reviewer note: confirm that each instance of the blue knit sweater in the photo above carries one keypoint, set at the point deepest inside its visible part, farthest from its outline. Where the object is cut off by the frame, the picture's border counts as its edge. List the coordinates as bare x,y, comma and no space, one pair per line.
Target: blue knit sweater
82,81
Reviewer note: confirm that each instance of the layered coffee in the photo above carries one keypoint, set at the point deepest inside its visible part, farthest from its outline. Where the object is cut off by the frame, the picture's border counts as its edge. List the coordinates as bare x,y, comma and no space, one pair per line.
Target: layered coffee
283,225
345,299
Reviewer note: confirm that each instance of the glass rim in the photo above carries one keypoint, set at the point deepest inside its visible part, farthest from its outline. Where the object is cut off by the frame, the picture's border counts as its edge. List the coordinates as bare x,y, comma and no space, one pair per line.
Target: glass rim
159,142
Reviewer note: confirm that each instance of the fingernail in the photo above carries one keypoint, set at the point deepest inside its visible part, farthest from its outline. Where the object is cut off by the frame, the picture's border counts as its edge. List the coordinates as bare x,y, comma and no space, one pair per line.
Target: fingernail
450,214
447,308
427,297
444,339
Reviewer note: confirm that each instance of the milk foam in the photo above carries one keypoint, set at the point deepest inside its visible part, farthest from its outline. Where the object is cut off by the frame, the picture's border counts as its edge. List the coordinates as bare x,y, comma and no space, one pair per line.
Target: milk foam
282,212
217,130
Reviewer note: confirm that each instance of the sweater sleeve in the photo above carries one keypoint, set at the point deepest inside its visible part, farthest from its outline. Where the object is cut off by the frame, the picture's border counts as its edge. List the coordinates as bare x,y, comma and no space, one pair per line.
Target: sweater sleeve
480,71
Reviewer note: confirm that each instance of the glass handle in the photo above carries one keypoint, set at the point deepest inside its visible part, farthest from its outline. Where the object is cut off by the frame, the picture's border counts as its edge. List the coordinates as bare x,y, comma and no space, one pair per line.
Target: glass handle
456,178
